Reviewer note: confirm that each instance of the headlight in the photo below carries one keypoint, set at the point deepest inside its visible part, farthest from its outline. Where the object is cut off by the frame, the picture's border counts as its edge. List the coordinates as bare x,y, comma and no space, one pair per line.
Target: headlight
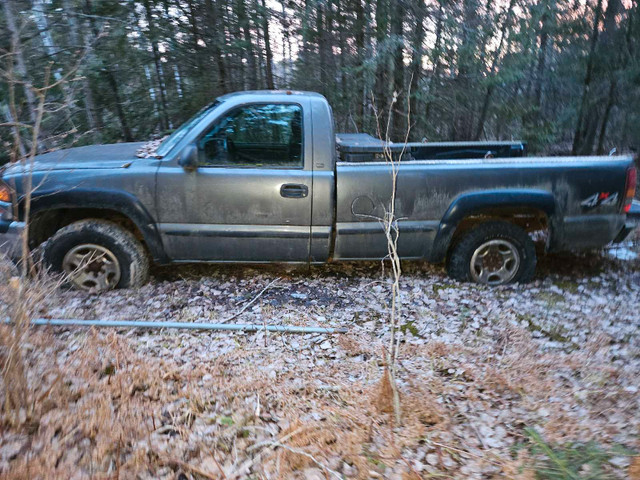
5,193
6,208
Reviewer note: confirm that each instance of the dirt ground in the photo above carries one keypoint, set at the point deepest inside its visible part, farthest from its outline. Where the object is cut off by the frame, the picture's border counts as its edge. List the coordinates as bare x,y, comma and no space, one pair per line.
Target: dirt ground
525,381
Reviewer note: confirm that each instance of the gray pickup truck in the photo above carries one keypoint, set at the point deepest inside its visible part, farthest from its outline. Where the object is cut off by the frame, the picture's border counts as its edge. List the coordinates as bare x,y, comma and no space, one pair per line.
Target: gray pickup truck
259,177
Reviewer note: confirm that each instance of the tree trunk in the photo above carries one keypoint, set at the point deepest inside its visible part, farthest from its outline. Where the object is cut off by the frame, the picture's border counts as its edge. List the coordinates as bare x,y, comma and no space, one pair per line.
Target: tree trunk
153,38
398,114
47,42
306,32
368,78
436,55
249,53
603,62
462,124
20,66
547,19
113,83
286,46
216,39
580,143
267,47
492,71
345,97
330,36
605,117
111,80
323,46
191,14
416,59
614,73
381,83
237,74
259,48
93,119
360,25
18,148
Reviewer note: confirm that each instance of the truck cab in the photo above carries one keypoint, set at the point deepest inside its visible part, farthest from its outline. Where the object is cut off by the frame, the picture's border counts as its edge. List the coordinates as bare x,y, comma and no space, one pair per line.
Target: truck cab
252,180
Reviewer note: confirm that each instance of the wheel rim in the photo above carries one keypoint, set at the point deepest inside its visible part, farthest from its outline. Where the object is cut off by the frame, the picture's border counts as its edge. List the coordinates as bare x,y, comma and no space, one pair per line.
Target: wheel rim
92,267
495,262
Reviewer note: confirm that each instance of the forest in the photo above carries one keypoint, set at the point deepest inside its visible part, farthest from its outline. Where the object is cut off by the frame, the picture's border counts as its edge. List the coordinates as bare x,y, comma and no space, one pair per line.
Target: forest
563,75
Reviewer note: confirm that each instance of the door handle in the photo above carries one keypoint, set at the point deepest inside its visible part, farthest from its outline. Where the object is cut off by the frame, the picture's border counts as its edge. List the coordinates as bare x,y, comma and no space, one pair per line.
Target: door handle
294,190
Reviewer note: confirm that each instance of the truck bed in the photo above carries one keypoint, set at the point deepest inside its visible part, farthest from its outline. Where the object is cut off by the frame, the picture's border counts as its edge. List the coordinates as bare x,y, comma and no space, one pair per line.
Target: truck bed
579,198
361,147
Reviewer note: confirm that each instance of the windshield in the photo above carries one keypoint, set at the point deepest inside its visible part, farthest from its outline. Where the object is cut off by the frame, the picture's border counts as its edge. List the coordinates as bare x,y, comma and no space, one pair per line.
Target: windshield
172,140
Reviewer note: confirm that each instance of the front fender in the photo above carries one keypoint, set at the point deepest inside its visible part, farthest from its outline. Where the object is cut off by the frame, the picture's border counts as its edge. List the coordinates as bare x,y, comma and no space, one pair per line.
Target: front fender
475,203
93,198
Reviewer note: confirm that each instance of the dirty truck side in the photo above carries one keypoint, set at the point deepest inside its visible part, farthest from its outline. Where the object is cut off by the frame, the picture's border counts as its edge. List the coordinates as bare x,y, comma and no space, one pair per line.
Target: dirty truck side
257,177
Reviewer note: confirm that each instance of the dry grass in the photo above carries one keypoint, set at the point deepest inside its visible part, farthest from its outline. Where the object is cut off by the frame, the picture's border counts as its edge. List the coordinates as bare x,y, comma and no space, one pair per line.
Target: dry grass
634,469
114,414
21,300
103,409
94,417
103,416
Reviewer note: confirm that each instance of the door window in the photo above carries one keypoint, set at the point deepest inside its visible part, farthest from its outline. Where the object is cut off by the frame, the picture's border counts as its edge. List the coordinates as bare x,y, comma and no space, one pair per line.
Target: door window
261,135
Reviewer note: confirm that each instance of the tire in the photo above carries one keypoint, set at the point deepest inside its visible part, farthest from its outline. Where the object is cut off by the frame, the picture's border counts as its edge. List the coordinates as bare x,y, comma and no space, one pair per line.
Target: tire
514,249
117,251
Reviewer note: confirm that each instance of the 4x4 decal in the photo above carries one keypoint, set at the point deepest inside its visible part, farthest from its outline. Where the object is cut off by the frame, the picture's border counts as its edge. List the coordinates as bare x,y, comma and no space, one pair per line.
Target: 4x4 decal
600,198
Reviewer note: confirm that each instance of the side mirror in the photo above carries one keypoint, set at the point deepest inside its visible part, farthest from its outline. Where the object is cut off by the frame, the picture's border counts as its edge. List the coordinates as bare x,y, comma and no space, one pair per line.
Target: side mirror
189,157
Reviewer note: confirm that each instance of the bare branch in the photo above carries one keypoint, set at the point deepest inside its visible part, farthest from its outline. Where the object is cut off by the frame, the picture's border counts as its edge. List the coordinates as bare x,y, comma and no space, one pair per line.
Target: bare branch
16,124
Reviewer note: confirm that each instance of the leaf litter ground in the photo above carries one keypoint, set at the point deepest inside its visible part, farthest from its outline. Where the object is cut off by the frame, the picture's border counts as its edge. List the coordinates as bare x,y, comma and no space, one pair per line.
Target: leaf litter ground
479,370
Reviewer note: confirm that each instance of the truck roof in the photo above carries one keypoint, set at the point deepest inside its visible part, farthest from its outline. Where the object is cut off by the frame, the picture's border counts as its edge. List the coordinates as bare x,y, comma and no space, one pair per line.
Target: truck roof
270,92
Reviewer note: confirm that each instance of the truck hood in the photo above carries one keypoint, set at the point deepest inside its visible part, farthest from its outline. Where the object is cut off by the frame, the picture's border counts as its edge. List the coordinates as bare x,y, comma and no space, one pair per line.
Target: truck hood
117,155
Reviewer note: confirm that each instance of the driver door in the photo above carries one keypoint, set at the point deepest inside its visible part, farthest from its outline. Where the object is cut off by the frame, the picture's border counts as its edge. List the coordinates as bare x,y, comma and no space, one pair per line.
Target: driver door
249,200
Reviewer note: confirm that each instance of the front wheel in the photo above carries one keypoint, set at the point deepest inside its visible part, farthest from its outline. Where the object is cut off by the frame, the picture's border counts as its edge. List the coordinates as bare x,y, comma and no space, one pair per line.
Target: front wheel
493,253
97,255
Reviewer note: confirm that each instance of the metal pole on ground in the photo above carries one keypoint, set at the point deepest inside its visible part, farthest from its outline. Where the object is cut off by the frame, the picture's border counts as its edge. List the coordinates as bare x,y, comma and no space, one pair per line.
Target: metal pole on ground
241,327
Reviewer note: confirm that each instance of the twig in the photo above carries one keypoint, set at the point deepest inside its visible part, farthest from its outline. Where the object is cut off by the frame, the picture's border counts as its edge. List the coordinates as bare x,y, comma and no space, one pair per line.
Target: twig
48,391
283,439
309,456
247,305
16,124
462,452
191,468
249,463
224,475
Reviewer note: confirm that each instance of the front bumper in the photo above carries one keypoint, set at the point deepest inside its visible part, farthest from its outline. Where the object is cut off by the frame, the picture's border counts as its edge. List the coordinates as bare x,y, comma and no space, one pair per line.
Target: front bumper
10,238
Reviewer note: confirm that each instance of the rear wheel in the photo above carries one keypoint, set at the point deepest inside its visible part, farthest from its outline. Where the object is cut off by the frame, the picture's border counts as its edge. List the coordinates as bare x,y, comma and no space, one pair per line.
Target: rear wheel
97,255
493,253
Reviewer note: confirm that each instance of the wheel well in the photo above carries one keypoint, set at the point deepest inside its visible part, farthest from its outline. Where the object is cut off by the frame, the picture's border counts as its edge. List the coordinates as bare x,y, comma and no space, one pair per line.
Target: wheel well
45,224
532,220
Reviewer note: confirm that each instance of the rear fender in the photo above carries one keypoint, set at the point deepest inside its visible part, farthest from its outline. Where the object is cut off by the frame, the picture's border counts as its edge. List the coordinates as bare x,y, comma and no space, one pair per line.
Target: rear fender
476,203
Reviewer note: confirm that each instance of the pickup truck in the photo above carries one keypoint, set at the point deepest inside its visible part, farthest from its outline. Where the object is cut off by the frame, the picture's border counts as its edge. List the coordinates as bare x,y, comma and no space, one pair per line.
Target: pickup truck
257,177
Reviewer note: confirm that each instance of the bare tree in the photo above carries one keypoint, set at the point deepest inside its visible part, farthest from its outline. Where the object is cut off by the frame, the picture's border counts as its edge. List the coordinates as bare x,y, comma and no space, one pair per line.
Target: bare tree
20,68
392,232
29,286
